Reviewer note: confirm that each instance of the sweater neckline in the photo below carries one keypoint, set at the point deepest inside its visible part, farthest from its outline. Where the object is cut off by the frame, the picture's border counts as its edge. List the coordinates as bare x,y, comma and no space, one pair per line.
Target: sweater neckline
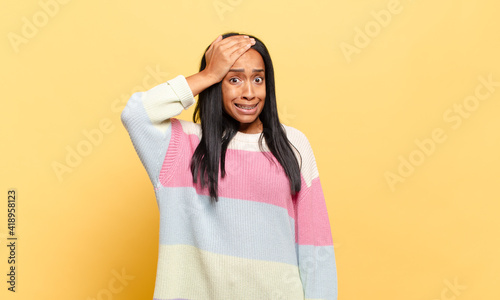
247,137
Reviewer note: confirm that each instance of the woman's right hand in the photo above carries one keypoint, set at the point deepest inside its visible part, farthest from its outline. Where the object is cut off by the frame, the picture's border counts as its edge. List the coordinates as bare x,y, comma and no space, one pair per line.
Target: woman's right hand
222,54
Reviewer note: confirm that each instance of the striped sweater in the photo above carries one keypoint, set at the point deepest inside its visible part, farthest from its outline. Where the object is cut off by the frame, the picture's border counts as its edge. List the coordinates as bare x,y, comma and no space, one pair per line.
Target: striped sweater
255,242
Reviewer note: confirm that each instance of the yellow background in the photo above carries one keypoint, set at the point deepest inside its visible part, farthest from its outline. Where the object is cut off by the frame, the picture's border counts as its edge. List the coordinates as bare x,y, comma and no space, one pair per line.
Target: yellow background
411,239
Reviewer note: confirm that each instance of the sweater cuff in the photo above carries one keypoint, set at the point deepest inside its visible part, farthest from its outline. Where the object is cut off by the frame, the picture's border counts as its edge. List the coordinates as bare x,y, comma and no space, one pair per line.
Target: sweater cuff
182,90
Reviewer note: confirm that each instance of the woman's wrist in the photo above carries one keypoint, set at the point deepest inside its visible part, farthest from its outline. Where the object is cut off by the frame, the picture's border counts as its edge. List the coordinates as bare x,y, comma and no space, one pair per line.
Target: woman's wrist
209,77
200,81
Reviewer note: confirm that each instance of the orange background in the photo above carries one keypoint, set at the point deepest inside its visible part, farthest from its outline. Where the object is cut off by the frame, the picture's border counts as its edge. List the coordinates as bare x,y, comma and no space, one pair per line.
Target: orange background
366,81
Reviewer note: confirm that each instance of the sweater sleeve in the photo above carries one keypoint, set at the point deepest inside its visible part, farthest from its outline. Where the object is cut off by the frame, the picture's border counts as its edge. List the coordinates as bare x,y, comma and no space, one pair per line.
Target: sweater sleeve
146,117
315,253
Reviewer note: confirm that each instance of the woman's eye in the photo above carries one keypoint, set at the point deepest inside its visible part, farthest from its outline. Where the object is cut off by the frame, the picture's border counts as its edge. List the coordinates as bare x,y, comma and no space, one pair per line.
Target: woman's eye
234,79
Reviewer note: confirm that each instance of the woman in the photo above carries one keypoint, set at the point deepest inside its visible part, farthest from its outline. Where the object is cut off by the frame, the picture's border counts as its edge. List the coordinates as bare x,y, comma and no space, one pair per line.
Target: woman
240,217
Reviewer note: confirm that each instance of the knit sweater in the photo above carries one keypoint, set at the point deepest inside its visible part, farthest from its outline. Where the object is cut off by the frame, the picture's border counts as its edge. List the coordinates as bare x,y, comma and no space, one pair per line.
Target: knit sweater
258,241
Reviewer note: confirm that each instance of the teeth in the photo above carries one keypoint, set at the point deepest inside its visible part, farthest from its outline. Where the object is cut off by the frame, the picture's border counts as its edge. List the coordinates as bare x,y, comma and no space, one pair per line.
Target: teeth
246,107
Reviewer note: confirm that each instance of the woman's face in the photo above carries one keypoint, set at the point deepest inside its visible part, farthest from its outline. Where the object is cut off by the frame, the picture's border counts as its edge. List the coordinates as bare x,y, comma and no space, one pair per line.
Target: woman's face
245,85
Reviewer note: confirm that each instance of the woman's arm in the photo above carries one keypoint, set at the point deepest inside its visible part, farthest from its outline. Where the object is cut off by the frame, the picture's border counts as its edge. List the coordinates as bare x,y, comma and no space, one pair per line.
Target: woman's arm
200,81
146,117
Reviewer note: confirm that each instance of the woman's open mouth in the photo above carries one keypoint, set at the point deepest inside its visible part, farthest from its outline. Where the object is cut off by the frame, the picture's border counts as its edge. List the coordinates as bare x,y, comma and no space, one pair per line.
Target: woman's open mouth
246,109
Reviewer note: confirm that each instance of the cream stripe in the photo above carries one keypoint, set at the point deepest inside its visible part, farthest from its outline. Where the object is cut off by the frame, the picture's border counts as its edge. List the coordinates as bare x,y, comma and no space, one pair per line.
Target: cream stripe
205,275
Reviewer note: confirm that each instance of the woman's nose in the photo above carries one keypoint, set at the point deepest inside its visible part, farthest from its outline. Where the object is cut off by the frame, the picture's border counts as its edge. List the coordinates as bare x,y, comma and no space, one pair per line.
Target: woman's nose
248,92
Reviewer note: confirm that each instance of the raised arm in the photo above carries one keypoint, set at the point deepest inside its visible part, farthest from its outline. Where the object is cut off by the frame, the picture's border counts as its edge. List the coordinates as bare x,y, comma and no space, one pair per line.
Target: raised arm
146,117
147,114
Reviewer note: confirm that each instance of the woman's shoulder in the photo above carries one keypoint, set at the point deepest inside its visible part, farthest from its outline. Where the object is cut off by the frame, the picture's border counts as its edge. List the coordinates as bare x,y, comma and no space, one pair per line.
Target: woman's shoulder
188,127
300,141
297,138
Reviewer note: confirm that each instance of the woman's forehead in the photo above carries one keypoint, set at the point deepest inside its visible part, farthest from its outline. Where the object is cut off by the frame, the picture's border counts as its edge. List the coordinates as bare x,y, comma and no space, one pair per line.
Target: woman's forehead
249,59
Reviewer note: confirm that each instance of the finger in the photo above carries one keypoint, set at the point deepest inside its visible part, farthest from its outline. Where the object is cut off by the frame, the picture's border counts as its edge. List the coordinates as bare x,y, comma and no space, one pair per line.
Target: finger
210,49
241,47
231,40
238,44
215,41
238,52
218,39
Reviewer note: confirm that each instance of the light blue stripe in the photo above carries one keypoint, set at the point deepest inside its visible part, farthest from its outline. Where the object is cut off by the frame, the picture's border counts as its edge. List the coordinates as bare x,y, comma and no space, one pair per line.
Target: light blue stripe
318,271
149,142
236,227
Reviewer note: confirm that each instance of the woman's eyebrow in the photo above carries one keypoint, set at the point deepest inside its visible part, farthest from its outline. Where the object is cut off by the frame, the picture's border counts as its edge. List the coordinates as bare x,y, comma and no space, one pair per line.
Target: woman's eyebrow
243,70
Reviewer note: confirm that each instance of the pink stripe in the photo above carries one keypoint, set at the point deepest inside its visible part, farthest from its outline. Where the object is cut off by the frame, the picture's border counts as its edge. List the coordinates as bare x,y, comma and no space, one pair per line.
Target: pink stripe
244,180
312,226
170,160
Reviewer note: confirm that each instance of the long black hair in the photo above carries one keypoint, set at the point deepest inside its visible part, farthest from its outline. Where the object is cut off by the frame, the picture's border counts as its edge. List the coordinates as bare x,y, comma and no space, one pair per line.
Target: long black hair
218,128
